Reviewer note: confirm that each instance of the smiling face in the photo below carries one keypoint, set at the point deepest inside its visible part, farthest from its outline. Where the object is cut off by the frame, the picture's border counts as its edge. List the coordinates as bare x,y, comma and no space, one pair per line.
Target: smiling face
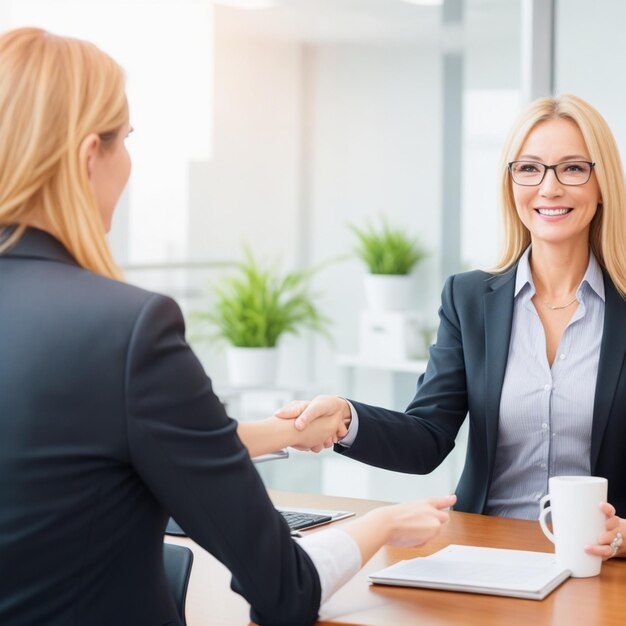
555,213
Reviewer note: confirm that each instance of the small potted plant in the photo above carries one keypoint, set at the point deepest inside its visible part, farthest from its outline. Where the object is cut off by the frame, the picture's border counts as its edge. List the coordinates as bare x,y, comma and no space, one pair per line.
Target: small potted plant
253,308
389,254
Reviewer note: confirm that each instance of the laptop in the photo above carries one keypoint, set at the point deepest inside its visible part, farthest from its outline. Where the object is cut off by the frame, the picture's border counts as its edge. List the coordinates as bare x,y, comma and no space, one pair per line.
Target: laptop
297,519
303,518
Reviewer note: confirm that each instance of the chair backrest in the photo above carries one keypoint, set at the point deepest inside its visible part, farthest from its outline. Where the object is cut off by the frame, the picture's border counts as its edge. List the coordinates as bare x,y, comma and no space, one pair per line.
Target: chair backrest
177,561
173,528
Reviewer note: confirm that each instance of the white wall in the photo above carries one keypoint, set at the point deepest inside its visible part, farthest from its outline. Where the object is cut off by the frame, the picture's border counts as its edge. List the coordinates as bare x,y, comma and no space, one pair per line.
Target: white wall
376,150
248,191
169,92
591,56
492,100
306,140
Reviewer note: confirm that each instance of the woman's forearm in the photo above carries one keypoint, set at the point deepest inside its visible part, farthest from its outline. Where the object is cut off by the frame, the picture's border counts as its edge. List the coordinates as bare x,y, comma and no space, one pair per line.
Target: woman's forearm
370,532
405,524
274,433
266,435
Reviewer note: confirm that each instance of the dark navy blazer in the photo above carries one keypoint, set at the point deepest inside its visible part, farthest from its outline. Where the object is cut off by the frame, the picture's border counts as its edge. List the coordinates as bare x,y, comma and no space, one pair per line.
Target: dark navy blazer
108,424
464,377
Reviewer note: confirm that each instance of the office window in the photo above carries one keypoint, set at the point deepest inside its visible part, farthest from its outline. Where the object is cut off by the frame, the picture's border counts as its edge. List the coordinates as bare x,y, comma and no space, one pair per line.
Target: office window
279,128
166,49
590,55
492,100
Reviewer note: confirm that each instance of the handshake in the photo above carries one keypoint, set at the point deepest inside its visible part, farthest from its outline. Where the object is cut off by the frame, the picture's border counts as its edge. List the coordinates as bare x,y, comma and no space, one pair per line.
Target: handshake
318,423
304,425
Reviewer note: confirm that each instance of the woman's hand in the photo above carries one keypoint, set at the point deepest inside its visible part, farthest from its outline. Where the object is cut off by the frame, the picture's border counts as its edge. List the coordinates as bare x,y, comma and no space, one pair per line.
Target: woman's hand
611,540
306,415
320,434
406,524
267,435
415,523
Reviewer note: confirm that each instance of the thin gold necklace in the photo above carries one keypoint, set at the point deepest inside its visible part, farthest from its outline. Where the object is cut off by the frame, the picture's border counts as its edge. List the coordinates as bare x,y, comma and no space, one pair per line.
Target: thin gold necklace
553,307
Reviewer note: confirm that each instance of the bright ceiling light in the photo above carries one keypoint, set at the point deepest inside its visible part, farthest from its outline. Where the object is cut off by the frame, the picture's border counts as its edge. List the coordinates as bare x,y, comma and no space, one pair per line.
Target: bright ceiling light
248,4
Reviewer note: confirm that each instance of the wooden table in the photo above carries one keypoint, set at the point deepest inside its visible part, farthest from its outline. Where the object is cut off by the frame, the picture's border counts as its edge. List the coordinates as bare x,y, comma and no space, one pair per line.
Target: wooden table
597,601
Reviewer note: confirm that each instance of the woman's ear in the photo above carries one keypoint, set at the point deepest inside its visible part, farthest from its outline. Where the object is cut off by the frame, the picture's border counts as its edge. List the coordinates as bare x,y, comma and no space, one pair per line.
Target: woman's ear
88,152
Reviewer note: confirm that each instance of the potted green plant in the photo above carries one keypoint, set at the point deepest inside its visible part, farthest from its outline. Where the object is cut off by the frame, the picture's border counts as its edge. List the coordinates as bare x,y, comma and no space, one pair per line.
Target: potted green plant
253,309
390,255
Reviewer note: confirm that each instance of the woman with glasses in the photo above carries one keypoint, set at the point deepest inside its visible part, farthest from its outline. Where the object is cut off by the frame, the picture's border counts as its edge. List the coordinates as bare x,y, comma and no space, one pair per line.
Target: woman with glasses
108,423
533,351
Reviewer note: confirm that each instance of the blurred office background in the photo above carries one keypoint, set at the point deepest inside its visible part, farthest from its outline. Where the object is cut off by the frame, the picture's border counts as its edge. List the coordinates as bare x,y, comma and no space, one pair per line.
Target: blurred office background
277,123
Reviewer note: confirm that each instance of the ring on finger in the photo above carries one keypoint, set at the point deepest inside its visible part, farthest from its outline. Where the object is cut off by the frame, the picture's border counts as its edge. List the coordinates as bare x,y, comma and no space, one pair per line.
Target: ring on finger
616,543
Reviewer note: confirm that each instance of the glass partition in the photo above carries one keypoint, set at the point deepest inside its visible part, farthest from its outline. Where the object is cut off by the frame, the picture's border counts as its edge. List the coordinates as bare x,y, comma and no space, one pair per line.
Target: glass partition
492,100
281,127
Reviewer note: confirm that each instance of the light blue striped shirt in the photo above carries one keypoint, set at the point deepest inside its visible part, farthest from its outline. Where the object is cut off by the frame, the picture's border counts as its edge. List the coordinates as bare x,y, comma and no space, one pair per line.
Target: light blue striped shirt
546,412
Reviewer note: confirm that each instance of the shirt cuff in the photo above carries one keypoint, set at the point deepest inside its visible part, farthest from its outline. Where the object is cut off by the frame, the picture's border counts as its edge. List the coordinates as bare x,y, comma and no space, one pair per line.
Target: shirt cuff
336,556
353,428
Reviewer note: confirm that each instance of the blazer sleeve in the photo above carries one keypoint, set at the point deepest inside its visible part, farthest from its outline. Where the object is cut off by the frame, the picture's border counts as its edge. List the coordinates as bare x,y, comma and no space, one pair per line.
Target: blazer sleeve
186,450
419,439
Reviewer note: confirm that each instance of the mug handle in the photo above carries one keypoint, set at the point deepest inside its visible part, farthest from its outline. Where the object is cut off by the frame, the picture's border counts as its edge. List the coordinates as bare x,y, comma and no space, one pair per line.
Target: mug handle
542,517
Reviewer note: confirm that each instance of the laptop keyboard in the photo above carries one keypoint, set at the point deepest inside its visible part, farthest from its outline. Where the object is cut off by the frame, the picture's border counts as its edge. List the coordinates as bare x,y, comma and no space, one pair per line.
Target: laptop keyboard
298,520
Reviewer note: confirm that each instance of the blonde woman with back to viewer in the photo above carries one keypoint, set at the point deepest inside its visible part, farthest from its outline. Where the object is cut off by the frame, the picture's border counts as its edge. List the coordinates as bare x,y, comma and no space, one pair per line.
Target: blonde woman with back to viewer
108,423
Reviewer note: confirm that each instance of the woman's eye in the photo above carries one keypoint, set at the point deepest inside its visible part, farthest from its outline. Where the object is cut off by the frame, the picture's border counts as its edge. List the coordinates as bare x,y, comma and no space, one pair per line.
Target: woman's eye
529,168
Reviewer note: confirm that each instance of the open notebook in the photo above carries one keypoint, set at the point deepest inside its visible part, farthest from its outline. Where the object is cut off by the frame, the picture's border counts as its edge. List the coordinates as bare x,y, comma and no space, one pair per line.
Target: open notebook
493,571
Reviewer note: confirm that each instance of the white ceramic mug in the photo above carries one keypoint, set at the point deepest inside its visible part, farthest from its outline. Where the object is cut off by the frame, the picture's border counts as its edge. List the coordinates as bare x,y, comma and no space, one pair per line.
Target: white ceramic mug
577,521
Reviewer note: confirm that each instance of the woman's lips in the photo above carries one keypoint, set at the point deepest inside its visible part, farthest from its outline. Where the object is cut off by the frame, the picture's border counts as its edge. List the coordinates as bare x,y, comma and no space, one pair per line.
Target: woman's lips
553,213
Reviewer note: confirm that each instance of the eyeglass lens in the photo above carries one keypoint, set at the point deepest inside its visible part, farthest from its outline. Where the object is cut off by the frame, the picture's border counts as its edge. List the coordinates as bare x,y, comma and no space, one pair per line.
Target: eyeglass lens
568,173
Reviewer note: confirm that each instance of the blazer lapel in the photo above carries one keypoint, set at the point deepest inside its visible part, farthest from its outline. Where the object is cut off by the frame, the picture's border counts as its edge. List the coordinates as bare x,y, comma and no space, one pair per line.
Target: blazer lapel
612,353
498,305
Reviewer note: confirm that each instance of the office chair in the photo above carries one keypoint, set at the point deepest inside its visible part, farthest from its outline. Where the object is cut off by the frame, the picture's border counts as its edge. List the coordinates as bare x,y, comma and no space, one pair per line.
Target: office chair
177,561
173,528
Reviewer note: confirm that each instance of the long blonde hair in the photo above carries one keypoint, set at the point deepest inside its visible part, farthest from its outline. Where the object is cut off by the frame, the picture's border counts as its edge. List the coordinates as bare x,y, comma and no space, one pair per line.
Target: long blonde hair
607,236
55,92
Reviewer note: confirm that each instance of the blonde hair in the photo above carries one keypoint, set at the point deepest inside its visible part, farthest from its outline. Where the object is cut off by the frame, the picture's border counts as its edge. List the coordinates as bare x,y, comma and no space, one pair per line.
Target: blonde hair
607,236
55,92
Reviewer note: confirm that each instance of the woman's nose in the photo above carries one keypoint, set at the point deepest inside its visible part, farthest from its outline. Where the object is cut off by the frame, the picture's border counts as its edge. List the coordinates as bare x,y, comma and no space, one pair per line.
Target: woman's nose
550,185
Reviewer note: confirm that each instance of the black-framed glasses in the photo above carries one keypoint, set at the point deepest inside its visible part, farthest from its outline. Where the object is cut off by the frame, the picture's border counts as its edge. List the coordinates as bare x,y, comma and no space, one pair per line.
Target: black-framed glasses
532,173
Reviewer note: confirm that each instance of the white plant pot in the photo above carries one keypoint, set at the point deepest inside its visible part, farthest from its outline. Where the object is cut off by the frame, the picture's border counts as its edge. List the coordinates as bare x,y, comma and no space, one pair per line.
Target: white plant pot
252,367
390,292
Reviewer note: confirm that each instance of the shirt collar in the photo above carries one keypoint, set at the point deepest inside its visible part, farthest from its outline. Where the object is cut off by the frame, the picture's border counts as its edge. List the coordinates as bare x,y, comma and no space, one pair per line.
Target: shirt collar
523,276
593,276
